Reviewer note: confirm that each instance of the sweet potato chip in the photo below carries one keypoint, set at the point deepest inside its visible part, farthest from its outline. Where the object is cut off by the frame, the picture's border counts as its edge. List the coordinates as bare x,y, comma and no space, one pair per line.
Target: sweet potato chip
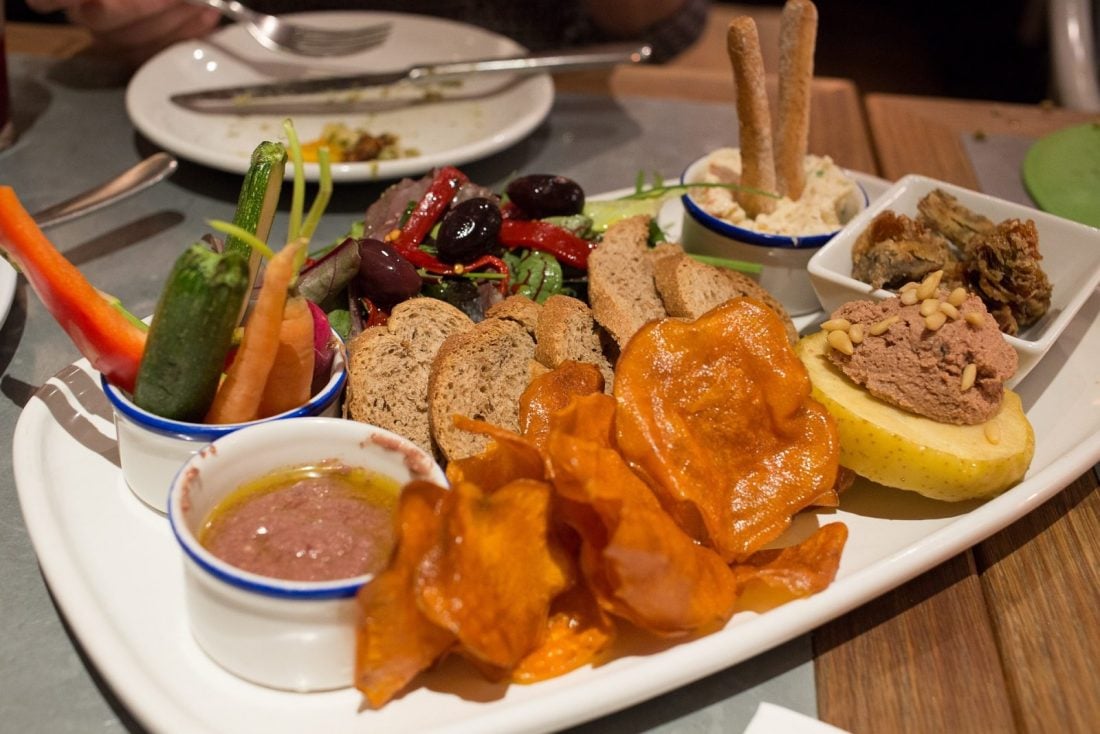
496,571
508,457
798,570
552,391
639,563
577,632
395,641
717,414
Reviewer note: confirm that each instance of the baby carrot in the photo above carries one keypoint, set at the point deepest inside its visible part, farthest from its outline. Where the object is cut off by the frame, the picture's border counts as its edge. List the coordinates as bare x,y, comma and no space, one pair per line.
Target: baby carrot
289,384
238,398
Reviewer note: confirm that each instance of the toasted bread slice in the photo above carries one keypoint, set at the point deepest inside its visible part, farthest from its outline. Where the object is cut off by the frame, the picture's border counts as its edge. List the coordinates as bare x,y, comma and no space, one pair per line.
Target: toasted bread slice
389,367
689,288
479,373
565,331
620,279
518,308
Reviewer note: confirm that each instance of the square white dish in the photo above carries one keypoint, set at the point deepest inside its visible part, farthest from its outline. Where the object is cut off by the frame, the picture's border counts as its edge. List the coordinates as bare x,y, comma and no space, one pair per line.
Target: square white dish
1071,260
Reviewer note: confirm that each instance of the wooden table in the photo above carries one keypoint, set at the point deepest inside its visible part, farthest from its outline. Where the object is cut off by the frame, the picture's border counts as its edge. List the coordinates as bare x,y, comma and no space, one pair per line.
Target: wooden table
1004,637
963,647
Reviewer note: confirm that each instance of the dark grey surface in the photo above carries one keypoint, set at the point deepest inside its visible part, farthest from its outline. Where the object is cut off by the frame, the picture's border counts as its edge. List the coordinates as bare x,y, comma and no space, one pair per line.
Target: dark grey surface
998,162
73,133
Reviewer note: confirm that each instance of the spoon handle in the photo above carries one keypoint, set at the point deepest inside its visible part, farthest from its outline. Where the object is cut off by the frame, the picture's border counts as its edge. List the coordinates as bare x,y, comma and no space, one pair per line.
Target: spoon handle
146,173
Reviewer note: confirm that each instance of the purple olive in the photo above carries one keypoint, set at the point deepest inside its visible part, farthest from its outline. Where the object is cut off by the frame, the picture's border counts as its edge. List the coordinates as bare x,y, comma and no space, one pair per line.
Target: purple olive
541,195
385,276
468,231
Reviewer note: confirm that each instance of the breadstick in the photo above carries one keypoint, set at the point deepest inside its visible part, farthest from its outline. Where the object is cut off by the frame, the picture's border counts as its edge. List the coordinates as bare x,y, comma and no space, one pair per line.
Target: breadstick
797,34
753,117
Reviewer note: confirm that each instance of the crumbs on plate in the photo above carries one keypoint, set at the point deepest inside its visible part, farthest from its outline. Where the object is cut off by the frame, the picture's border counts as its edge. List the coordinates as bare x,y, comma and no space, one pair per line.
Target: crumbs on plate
348,145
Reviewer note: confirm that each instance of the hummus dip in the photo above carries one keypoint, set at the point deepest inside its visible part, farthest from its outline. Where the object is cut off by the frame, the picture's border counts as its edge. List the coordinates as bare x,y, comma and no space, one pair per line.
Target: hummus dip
826,204
308,523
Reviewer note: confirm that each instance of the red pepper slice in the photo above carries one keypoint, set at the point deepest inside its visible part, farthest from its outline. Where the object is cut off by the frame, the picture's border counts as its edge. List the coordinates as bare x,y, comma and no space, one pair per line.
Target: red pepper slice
546,237
429,209
102,333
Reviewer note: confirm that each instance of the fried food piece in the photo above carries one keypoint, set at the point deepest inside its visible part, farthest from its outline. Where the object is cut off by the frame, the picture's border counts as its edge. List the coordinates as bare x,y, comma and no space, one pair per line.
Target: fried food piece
640,564
491,578
894,250
943,213
717,415
507,457
797,36
798,570
395,641
753,117
551,392
1003,268
577,632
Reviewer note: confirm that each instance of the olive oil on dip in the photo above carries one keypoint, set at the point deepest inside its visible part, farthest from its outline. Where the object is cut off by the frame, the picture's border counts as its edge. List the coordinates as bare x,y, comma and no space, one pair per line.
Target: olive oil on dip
306,523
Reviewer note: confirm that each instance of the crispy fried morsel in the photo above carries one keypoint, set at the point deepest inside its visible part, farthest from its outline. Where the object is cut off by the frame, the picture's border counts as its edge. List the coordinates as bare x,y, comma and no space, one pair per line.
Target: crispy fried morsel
508,456
717,413
1003,268
943,213
496,570
798,570
578,632
552,391
395,641
894,249
638,562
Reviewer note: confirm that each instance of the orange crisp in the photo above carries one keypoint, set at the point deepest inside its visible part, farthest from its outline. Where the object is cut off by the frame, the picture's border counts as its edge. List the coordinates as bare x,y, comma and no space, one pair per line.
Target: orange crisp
717,413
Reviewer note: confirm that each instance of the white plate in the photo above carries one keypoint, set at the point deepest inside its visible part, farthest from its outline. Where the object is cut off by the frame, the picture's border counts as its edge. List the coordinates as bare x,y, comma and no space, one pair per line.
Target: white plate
116,573
478,117
7,288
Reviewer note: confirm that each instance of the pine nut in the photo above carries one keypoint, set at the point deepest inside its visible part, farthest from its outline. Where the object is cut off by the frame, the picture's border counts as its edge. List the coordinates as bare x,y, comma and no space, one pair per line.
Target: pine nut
935,321
835,324
992,433
951,311
970,373
880,328
840,341
929,285
855,334
909,297
957,297
908,286
929,306
974,318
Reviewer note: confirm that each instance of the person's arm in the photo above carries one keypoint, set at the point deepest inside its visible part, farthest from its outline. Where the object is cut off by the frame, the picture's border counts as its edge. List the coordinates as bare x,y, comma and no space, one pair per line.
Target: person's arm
134,30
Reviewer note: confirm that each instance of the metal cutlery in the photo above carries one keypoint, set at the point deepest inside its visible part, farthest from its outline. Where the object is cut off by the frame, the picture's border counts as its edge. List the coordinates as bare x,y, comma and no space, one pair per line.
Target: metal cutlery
278,34
137,178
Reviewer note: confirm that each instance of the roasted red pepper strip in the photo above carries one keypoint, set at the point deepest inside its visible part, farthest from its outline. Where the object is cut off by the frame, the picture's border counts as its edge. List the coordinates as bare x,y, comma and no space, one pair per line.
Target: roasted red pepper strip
546,237
428,210
102,333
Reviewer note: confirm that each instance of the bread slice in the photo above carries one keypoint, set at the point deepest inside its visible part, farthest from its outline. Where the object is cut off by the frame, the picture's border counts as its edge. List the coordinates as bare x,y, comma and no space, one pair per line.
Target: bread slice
389,367
689,288
518,308
566,331
620,280
479,373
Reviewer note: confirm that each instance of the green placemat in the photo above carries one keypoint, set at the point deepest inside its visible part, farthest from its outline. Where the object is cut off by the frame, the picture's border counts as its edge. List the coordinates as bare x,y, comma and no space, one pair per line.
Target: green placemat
1062,173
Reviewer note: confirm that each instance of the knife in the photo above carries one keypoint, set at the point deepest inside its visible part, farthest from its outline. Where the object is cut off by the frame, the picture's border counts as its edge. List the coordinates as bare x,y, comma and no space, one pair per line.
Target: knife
242,97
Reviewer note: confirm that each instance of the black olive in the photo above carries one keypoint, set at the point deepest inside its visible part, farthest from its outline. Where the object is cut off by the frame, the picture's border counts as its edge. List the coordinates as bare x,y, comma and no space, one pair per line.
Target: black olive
468,231
385,276
541,195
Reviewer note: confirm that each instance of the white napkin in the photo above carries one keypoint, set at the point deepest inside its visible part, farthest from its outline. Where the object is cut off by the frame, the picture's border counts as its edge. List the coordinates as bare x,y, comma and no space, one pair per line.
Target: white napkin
772,719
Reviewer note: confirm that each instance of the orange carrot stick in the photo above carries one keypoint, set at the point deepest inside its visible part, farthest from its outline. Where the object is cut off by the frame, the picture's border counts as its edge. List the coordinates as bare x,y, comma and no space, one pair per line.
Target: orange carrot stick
290,381
238,397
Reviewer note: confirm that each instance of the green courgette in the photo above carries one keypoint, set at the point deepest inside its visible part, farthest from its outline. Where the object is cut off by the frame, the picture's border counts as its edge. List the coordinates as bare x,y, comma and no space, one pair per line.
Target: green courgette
258,200
191,333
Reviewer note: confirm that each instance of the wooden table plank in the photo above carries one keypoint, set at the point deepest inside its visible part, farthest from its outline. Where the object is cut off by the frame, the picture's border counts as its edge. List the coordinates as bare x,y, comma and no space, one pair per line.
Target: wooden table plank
923,134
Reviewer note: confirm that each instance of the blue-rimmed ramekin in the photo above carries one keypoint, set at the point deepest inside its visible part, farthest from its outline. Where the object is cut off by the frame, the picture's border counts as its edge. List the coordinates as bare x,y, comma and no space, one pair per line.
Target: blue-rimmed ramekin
289,635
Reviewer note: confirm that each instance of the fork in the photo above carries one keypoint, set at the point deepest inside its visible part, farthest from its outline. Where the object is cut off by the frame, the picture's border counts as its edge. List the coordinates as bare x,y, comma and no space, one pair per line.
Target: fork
280,35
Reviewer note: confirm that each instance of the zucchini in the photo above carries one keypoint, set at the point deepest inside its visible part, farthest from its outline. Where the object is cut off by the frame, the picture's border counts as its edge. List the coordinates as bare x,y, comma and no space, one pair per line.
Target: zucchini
191,334
263,182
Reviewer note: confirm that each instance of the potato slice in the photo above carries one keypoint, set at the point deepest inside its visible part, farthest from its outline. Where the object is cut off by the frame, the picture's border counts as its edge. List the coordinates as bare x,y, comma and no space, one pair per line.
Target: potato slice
900,449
